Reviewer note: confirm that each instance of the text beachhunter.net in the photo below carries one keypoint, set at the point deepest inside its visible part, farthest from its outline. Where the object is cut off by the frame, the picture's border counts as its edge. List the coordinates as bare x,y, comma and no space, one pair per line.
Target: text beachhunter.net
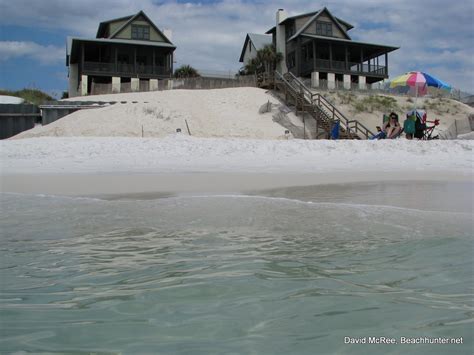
403,340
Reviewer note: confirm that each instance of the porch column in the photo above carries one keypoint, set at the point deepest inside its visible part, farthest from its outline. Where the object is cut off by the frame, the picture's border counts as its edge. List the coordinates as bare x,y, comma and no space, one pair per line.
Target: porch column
347,81
84,83
361,60
315,79
298,57
135,60
115,84
331,81
346,57
153,85
82,56
362,82
314,56
386,63
116,58
135,84
330,58
153,65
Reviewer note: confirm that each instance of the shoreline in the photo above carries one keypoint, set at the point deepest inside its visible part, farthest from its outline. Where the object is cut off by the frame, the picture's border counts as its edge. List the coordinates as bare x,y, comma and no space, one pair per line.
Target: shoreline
110,184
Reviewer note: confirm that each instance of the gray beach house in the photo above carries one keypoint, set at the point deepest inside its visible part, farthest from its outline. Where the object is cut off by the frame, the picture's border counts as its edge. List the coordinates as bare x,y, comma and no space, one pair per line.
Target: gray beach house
127,52
253,43
318,45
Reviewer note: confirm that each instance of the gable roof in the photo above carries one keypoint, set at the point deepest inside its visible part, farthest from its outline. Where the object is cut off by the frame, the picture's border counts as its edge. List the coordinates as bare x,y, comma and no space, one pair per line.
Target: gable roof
302,29
259,41
103,25
133,18
345,23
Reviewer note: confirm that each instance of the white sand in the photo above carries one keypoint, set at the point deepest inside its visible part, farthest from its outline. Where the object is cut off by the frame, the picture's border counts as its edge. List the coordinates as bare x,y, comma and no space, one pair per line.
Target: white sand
209,113
84,166
4,99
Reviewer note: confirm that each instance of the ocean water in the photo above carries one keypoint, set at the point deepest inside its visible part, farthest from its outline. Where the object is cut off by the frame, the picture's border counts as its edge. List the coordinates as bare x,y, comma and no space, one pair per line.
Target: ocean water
288,271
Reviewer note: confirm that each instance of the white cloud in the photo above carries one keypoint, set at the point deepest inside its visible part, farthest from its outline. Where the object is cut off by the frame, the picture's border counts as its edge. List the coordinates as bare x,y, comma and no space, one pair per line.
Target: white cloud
44,54
434,36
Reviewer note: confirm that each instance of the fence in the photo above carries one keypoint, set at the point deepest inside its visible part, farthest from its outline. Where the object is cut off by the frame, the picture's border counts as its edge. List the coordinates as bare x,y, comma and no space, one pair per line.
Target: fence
183,83
15,119
381,88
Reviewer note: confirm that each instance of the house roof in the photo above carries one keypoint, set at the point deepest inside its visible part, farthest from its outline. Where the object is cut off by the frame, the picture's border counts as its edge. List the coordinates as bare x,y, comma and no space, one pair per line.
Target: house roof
103,25
345,23
128,19
313,18
259,41
133,18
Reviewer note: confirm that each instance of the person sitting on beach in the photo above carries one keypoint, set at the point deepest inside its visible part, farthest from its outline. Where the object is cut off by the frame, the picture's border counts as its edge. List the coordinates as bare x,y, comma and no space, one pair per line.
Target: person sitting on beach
392,128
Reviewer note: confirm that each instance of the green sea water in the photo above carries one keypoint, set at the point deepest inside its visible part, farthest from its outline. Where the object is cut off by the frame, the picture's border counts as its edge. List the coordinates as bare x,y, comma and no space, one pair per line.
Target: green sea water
288,271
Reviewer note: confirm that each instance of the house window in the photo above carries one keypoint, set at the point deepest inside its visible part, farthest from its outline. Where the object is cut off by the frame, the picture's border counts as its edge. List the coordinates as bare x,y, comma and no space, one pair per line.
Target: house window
140,32
290,30
250,47
291,60
307,52
324,28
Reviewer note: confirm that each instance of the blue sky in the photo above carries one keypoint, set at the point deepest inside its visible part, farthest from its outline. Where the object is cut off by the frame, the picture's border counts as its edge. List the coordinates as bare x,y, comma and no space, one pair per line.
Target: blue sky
435,36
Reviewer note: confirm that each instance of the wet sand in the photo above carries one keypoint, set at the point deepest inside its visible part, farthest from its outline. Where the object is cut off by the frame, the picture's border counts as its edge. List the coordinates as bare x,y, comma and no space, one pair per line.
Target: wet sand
144,185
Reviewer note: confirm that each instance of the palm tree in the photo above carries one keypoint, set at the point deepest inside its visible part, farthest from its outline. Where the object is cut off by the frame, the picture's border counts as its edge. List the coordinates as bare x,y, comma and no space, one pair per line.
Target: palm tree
266,60
186,71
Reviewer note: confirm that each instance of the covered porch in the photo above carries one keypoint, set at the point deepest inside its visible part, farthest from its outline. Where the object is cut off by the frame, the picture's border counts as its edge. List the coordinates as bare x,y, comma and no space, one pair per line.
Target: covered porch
115,58
339,56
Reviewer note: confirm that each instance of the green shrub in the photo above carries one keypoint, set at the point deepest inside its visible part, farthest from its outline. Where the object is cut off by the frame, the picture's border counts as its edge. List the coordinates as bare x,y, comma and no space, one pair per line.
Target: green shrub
186,71
33,96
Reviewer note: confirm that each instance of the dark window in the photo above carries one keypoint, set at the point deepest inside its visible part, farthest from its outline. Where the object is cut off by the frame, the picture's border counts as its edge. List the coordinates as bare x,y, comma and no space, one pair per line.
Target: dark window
140,32
291,60
123,58
324,28
250,47
307,52
290,30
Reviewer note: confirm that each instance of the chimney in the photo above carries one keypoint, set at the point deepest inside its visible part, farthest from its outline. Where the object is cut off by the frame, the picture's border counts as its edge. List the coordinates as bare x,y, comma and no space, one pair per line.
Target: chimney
280,39
281,16
168,33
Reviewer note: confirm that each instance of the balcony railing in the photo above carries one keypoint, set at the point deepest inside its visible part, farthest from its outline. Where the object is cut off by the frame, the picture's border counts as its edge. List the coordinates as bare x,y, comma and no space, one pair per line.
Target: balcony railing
126,69
336,65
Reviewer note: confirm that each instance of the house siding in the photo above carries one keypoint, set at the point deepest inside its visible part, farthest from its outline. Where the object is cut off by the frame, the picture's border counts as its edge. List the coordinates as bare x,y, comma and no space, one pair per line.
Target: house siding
126,33
336,32
249,55
300,22
114,26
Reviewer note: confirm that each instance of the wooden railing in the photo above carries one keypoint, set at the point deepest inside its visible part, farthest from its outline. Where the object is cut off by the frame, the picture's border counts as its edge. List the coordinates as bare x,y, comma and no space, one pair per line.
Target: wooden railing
352,128
125,68
340,66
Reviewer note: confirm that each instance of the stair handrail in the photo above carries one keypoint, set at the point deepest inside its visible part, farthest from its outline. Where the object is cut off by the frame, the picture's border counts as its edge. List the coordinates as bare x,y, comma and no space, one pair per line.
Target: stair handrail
303,87
288,84
336,114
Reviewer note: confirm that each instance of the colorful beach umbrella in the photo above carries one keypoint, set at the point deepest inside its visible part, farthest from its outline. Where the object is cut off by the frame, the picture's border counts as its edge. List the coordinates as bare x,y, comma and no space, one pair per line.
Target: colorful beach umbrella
420,81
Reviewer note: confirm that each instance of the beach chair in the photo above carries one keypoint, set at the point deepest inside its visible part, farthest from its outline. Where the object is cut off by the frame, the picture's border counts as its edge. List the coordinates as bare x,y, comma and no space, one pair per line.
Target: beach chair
381,134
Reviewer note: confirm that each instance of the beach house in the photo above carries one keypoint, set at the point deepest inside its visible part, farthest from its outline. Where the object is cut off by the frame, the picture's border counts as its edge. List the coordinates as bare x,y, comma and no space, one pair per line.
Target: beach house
129,53
318,45
253,43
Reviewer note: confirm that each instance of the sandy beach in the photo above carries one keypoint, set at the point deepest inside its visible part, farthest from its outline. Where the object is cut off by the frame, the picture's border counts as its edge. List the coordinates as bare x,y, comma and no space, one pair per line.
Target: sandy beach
108,166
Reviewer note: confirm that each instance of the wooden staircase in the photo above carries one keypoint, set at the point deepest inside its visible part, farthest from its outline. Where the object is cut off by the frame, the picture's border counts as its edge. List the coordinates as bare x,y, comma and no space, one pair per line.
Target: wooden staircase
294,93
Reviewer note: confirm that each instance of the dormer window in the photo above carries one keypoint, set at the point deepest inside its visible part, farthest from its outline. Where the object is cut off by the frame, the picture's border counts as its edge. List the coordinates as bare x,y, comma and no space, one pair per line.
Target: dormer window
140,32
324,28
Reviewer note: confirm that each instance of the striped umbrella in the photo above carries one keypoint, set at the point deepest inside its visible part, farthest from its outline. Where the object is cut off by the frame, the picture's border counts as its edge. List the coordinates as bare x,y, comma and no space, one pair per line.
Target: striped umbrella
420,81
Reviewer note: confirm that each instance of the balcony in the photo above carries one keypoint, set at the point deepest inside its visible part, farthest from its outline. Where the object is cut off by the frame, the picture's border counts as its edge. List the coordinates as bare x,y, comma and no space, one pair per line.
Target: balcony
340,67
122,69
